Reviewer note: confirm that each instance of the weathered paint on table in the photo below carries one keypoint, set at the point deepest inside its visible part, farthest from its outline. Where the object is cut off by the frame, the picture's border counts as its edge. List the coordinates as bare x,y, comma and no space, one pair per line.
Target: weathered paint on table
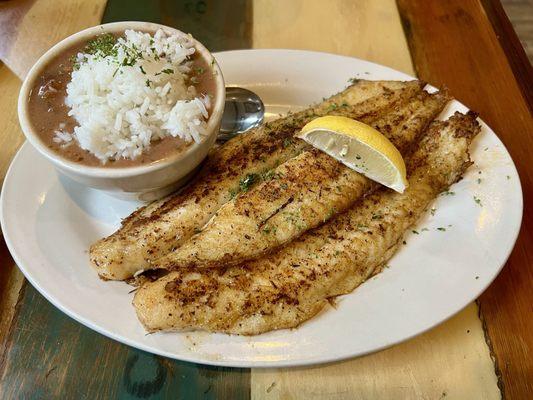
48,355
485,80
11,138
51,356
448,362
30,27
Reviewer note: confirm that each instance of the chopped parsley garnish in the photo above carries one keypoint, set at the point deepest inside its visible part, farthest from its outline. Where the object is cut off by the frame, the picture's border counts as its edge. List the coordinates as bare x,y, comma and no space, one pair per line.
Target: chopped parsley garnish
167,71
353,81
76,62
148,82
415,232
267,175
246,183
142,69
233,193
441,229
287,142
268,229
448,193
295,219
433,211
479,181
377,216
200,70
330,213
103,45
128,62
478,201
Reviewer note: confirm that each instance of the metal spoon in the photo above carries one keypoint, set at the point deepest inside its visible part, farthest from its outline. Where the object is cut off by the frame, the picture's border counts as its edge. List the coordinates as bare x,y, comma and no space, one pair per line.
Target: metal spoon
244,110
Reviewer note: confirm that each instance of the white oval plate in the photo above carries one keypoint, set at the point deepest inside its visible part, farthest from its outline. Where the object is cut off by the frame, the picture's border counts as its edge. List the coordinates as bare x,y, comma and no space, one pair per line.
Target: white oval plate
49,223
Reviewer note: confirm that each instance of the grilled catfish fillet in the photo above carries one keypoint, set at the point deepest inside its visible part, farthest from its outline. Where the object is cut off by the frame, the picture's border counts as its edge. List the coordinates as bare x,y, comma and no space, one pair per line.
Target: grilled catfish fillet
299,195
290,286
156,229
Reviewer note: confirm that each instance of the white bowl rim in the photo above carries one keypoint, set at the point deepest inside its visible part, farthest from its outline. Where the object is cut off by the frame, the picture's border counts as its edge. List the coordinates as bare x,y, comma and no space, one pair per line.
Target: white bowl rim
114,172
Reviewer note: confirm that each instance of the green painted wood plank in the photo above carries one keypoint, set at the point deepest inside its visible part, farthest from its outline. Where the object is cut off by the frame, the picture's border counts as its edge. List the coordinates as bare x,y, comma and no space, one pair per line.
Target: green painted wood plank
51,356
218,24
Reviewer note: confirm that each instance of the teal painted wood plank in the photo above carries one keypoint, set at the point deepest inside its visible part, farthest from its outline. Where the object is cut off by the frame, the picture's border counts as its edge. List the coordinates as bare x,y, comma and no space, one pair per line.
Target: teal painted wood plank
51,356
218,24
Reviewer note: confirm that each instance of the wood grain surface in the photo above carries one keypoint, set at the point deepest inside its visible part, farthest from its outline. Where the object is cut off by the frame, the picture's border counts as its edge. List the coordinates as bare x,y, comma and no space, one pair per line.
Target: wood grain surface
11,138
51,356
11,281
511,45
219,25
430,366
359,28
482,77
520,14
30,27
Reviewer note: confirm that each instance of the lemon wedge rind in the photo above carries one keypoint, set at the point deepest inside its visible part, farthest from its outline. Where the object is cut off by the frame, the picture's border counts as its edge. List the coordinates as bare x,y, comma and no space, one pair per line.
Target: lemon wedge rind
358,146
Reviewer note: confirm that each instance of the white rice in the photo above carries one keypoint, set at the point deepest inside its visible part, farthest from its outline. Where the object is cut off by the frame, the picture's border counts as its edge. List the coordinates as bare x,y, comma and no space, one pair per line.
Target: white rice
121,108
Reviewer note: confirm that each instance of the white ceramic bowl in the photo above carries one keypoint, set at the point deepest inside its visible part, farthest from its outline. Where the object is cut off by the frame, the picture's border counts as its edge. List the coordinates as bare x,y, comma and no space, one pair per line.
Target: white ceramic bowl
144,182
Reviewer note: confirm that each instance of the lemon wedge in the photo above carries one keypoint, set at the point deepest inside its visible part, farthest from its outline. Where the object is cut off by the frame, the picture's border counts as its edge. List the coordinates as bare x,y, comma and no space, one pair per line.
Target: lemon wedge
359,147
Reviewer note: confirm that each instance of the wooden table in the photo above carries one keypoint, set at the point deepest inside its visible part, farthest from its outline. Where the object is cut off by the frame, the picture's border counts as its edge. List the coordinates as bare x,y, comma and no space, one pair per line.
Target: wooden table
484,352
